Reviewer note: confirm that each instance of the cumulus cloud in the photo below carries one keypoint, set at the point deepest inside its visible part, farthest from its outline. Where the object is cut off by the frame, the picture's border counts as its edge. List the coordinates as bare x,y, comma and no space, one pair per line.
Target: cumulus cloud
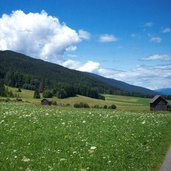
107,38
148,24
72,64
84,34
155,39
163,57
90,66
38,35
166,30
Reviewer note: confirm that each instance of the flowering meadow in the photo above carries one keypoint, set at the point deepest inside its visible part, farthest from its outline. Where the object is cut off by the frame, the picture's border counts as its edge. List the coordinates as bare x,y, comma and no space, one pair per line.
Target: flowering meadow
39,138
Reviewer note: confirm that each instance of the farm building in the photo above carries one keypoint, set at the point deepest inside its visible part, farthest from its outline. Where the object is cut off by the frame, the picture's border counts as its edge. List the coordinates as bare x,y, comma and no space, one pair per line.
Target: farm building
45,102
158,103
18,99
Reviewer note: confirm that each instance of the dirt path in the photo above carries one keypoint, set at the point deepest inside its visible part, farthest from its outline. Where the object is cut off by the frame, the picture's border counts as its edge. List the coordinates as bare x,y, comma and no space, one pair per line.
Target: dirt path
166,166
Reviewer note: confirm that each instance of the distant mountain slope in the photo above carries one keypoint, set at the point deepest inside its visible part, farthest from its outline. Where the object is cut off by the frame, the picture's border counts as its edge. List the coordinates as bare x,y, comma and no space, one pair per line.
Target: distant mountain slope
124,86
12,61
165,91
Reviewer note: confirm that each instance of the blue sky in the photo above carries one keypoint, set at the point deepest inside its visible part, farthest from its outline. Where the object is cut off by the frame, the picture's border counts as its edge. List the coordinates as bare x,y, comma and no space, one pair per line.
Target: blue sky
129,40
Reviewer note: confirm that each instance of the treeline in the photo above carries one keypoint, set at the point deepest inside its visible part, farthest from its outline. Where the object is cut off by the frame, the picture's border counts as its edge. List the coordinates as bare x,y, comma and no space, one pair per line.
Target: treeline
4,92
21,80
63,90
49,88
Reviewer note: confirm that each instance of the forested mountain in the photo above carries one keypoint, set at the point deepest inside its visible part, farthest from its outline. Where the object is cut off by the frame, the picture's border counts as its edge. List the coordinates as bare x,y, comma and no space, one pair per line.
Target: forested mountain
165,91
19,70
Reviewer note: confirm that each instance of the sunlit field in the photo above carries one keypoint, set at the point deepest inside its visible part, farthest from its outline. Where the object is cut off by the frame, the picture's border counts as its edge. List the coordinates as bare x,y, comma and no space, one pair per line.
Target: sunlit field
122,102
50,138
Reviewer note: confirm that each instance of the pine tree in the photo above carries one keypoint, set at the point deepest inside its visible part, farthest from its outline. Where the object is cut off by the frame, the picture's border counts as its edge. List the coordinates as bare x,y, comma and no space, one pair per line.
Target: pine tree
2,88
36,94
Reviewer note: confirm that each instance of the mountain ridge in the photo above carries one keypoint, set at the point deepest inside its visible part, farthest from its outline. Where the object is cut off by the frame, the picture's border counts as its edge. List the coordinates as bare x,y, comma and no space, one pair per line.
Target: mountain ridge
125,86
14,61
165,91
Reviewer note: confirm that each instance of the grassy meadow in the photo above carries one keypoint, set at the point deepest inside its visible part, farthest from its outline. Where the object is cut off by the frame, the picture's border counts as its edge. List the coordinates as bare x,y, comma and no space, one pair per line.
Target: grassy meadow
52,138
122,102
34,137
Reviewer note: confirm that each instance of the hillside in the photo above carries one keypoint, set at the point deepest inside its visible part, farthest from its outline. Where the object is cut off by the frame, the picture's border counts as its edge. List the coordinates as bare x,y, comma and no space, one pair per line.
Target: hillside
53,73
165,91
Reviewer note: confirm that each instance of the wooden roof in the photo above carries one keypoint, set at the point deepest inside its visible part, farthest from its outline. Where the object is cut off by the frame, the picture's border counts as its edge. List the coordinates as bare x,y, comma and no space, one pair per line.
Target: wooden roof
45,100
156,98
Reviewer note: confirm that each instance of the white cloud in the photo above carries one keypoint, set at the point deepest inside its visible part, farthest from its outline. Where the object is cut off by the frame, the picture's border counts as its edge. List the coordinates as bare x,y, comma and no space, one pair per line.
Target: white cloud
38,35
107,38
163,57
155,39
109,73
152,77
166,30
90,66
72,64
84,34
148,24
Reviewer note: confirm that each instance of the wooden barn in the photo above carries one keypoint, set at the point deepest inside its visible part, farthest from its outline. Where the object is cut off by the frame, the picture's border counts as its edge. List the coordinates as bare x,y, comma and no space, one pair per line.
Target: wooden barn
45,102
158,103
18,99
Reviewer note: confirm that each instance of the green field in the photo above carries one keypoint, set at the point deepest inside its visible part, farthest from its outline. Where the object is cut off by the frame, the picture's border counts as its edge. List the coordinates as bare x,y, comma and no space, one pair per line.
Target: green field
122,102
34,137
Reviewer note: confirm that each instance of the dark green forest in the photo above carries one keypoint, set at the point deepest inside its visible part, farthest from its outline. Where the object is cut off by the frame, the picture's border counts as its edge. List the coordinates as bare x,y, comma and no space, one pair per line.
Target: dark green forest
21,71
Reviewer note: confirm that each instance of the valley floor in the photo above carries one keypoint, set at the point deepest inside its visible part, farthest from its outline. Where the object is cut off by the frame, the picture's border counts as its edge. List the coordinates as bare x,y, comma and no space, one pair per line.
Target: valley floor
122,102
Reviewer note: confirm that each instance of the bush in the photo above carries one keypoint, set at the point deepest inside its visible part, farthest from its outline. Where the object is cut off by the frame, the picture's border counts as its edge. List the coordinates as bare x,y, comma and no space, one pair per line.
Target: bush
96,106
7,99
61,94
81,105
19,90
47,94
105,106
169,107
36,94
112,106
101,97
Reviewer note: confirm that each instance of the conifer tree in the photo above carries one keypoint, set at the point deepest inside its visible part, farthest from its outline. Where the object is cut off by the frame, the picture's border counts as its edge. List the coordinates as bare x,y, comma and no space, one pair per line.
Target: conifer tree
36,94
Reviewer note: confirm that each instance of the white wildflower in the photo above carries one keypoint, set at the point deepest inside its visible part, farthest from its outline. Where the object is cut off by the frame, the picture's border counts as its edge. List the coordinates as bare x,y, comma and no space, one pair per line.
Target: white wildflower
25,159
92,149
143,122
62,159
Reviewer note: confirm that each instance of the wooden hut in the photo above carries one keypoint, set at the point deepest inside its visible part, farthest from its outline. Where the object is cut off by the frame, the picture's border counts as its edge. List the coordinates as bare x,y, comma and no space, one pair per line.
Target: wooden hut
158,103
46,102
18,99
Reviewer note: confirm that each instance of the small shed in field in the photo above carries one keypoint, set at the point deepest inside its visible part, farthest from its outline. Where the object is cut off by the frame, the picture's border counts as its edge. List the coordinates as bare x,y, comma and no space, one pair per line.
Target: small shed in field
18,99
46,102
158,103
